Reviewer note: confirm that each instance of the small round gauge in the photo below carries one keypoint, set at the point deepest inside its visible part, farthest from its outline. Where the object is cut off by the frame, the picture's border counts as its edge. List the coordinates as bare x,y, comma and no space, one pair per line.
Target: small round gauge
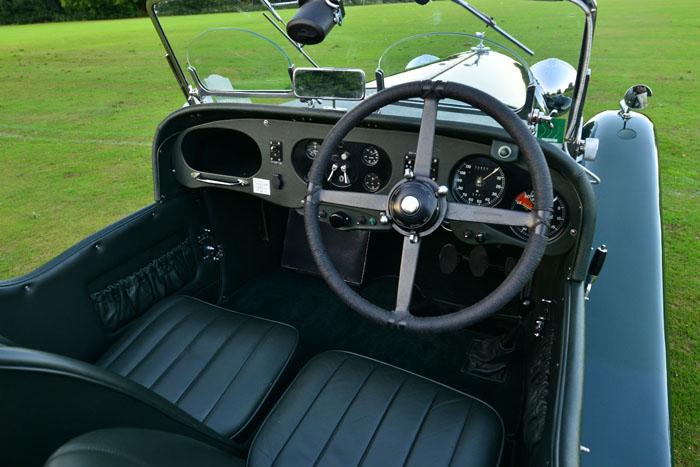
312,148
479,181
372,182
524,202
370,156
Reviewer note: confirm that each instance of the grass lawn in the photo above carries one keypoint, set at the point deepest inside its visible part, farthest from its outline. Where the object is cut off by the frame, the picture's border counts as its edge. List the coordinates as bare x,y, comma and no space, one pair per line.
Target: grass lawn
81,102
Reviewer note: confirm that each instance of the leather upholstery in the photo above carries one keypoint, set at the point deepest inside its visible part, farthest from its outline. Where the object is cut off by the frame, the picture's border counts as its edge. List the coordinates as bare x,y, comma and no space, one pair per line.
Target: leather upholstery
214,364
343,409
133,447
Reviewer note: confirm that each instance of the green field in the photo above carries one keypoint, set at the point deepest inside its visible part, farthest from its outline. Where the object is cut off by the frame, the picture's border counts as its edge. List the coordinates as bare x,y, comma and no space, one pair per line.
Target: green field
81,102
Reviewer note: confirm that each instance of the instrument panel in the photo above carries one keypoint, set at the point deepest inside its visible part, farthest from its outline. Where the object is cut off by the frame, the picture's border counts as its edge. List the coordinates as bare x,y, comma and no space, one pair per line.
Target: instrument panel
479,180
354,166
279,155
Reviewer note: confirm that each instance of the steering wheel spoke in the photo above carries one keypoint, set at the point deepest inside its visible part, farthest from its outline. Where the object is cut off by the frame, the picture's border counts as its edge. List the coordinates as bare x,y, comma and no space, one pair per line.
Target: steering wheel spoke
350,199
426,138
407,273
485,215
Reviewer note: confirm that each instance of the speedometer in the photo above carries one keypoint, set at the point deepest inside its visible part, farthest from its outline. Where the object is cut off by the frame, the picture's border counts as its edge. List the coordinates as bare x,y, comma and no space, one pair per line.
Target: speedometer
479,181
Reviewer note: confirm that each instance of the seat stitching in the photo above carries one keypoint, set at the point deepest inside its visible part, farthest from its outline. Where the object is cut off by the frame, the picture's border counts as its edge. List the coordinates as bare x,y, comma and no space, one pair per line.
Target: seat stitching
185,349
211,360
381,421
420,427
160,341
461,433
131,340
345,412
330,377
250,354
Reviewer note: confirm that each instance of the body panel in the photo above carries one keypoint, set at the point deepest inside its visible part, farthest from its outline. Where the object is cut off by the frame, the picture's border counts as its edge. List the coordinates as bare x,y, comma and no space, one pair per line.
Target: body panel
626,417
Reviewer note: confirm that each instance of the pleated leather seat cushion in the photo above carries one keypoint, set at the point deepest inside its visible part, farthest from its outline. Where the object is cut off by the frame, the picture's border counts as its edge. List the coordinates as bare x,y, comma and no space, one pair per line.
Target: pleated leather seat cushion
345,410
214,364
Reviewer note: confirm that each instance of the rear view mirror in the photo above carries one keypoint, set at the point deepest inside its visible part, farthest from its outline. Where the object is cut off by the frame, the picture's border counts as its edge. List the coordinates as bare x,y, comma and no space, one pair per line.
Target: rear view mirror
329,83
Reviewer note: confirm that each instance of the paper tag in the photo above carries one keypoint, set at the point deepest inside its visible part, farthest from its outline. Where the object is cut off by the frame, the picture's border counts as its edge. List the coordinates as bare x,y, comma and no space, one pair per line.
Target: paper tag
262,186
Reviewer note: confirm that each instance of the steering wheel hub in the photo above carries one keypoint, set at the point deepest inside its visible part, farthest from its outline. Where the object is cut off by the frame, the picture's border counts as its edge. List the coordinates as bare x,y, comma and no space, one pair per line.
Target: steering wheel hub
410,205
414,206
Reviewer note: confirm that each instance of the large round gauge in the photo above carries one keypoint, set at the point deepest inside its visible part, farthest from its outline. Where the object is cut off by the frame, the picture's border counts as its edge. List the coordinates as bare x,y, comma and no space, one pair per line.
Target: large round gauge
479,181
312,148
524,202
370,156
371,182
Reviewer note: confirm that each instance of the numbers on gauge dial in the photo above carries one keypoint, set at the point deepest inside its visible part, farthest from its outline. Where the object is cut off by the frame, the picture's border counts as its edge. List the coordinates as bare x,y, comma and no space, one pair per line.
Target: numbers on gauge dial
370,156
479,181
525,202
312,148
371,182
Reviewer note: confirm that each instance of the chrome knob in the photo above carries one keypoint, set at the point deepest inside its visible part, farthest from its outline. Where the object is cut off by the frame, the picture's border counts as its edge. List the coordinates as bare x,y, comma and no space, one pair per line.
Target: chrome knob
410,205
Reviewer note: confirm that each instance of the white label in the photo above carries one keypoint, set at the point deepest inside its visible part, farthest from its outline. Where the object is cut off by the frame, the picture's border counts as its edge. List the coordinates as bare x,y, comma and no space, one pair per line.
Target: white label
262,186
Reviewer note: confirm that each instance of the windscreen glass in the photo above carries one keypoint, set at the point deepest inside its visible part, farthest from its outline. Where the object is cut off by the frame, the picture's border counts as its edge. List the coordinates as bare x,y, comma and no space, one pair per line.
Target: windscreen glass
242,45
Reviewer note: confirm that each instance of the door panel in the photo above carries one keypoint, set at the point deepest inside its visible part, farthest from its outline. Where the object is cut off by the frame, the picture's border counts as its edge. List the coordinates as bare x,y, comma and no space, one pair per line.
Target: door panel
52,309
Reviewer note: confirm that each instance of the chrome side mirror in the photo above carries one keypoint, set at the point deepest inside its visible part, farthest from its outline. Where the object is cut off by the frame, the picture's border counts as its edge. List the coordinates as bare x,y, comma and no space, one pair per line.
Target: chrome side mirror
556,79
636,98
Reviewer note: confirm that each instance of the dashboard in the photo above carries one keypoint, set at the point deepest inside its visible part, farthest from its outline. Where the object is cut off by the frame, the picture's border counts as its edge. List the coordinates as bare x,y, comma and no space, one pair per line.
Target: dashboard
271,159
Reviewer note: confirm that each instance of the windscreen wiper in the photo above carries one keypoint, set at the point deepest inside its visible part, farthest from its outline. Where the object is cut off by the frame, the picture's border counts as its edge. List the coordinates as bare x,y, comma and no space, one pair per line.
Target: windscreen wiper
489,21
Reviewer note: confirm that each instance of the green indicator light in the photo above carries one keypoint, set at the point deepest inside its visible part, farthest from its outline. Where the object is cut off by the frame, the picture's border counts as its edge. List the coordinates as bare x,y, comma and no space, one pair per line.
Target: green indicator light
372,221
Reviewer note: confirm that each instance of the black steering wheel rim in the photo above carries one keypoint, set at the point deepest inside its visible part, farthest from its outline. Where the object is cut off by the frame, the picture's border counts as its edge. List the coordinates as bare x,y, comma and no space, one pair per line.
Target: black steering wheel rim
530,150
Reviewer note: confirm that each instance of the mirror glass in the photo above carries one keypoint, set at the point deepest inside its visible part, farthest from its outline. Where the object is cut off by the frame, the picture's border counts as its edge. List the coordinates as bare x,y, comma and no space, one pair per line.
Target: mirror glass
329,83
637,96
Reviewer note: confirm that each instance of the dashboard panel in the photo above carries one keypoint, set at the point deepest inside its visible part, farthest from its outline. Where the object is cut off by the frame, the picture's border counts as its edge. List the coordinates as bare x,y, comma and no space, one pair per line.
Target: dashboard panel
271,159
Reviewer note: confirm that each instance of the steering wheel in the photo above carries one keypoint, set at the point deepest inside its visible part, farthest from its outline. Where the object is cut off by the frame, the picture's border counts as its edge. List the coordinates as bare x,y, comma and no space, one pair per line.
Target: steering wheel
416,206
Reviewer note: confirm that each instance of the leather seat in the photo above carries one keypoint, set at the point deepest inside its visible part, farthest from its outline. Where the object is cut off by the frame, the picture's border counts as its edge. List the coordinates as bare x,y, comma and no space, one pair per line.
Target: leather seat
214,364
184,367
136,447
342,409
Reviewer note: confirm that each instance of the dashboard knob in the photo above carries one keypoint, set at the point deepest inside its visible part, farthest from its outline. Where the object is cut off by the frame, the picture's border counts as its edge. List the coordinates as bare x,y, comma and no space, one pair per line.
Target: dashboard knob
339,219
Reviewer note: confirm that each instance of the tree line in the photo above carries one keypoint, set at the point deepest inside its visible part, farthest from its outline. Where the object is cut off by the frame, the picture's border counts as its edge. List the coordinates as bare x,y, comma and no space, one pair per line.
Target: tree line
39,11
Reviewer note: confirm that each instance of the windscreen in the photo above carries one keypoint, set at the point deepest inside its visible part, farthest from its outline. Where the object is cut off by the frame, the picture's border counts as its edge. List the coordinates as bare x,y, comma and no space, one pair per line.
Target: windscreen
242,45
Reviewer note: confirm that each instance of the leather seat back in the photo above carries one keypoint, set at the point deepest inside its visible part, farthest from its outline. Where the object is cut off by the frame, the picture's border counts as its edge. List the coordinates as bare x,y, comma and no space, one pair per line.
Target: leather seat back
47,399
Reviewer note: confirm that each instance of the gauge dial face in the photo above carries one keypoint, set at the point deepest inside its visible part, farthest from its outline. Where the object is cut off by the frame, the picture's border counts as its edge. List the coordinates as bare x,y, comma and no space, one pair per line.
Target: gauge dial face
370,156
524,202
312,148
372,182
479,181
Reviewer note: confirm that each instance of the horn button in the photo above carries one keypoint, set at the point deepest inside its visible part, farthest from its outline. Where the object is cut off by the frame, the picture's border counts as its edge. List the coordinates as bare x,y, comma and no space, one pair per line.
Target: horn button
414,206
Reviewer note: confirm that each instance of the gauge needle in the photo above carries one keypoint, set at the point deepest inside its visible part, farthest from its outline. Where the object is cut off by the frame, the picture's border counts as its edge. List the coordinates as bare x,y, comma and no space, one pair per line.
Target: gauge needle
529,208
494,171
